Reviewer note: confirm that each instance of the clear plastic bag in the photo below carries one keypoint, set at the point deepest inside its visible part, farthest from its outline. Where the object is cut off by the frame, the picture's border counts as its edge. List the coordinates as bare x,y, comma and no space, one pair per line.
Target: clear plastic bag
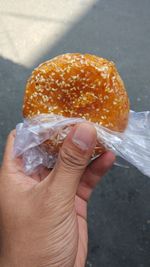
133,145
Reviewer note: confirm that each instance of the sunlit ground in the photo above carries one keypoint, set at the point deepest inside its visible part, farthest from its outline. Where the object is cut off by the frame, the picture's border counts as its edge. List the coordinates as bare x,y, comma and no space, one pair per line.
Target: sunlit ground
28,28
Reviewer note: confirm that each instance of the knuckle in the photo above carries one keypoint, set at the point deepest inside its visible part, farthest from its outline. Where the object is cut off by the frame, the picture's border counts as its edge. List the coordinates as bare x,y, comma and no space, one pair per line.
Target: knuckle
11,135
72,158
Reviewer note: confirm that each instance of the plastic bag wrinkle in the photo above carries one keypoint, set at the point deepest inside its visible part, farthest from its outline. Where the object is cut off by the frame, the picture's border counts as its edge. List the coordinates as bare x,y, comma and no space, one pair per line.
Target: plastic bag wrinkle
133,145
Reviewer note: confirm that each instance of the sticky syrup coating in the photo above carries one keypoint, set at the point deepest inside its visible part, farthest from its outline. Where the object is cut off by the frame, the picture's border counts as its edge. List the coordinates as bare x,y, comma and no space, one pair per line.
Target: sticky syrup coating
76,85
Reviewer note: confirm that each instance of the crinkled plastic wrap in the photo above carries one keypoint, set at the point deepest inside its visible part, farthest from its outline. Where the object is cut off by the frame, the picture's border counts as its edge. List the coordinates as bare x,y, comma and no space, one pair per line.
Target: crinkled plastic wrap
133,145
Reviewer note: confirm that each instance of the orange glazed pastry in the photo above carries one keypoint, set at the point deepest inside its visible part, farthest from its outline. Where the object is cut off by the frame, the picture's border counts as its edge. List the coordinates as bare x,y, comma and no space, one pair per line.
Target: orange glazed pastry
76,85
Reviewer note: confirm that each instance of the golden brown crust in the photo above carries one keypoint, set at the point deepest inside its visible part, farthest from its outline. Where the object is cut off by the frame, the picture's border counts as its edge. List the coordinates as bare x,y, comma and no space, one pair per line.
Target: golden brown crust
75,85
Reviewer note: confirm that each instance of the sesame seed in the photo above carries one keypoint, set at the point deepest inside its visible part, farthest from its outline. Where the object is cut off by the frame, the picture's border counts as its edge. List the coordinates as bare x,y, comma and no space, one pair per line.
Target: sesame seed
103,117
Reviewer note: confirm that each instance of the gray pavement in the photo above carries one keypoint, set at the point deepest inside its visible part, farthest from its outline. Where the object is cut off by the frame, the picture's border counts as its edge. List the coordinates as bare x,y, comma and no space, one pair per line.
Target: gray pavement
119,210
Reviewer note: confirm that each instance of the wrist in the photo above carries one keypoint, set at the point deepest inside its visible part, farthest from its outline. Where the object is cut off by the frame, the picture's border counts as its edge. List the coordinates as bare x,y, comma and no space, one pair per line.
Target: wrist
15,253
15,263
4,262
17,260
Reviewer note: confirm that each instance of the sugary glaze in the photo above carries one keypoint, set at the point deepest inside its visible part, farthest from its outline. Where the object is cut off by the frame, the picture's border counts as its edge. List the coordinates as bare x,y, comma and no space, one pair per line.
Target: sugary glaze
76,85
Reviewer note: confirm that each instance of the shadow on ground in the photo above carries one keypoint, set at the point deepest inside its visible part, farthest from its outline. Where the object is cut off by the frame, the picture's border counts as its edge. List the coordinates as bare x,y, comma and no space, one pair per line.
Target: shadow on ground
119,210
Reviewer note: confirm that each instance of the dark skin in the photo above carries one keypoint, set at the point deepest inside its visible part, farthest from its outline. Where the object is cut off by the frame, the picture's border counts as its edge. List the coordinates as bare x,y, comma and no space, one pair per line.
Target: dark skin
43,218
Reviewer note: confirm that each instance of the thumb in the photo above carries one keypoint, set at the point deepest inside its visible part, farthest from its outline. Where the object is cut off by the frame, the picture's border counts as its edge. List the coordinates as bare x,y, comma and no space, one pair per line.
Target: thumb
73,158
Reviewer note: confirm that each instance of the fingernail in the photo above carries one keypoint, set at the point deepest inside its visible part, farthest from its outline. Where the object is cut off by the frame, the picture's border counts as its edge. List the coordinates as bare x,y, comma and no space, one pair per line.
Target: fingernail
84,136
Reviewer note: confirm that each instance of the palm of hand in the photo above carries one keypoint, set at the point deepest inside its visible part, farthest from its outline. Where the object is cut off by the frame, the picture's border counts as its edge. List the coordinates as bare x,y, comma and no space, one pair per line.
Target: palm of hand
14,175
15,170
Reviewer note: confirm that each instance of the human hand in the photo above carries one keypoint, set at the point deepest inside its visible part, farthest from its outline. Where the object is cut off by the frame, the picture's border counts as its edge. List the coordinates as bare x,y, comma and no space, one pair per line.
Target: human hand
43,217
